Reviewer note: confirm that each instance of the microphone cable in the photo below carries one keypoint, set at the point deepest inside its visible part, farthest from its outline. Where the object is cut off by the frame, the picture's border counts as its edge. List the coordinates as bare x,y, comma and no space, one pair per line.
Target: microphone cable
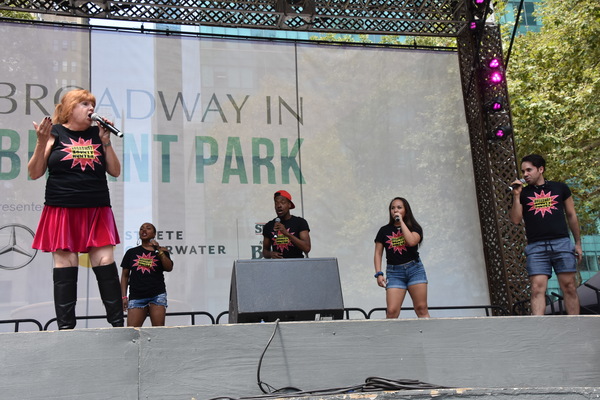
372,384
259,381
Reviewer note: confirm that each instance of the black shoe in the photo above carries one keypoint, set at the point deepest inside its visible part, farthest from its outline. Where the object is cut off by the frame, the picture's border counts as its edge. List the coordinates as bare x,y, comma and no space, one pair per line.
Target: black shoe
65,296
110,292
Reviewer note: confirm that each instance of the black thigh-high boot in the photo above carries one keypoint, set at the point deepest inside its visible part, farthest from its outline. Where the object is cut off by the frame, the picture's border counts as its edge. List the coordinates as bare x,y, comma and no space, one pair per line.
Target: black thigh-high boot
110,292
65,296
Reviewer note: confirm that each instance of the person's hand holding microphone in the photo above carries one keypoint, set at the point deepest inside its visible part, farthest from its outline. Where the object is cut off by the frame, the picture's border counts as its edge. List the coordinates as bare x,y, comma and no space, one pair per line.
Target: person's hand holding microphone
517,186
157,248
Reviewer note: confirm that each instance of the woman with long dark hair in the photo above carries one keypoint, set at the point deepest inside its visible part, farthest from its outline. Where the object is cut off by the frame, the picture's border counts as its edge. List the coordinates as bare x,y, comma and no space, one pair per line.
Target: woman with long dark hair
404,271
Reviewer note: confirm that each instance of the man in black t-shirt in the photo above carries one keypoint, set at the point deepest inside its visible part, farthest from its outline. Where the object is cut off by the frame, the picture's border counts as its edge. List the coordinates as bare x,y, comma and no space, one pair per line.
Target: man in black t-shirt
543,205
286,236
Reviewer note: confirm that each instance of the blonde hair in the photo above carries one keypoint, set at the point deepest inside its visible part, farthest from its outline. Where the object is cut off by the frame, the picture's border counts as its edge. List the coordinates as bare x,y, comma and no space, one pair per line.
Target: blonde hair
63,110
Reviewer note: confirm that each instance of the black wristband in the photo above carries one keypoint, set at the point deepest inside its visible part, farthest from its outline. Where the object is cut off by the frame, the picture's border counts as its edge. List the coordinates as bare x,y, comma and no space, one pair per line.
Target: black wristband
378,273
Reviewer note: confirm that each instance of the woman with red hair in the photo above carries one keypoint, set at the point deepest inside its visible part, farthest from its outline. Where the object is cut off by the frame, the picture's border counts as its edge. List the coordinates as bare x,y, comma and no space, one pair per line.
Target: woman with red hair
77,215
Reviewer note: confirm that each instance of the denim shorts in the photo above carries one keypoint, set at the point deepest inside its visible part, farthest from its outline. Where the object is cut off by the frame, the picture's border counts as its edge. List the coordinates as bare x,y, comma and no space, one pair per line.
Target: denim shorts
404,275
544,255
160,300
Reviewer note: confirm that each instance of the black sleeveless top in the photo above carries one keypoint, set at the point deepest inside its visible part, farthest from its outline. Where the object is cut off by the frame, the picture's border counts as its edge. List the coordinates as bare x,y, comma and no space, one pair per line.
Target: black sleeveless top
77,169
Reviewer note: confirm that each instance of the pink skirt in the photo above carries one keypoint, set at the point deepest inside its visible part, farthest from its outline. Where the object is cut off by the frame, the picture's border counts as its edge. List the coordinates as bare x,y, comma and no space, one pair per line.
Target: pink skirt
75,229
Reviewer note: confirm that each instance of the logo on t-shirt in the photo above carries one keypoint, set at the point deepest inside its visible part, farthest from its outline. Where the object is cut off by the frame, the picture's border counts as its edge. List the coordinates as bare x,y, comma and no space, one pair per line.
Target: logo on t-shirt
145,263
542,203
83,153
282,242
397,242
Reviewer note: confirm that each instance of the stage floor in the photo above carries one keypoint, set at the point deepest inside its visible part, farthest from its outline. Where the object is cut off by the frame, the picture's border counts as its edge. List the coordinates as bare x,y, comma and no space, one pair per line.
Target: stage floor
528,357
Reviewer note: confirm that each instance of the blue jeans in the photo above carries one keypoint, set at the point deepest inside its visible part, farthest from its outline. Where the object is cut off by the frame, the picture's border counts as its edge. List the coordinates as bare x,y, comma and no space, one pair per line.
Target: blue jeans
404,275
544,255
159,300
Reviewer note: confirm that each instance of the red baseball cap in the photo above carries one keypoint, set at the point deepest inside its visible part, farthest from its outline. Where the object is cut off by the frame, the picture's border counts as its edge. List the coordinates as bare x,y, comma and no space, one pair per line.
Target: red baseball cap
285,194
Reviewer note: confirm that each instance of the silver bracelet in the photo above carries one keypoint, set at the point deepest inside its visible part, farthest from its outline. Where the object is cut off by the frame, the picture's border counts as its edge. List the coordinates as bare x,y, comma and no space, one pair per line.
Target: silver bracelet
107,144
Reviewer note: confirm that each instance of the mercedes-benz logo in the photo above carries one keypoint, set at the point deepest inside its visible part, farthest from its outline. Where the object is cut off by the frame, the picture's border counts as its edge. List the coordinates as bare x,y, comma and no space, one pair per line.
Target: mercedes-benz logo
15,246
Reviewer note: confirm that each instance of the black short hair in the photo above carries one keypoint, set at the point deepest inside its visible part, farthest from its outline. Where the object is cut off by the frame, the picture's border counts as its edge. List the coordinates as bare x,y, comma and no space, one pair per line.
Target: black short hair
535,159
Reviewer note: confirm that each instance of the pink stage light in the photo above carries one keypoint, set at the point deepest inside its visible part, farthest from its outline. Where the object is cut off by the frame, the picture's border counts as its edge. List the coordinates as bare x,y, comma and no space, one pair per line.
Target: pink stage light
495,106
476,24
496,77
495,63
494,71
501,132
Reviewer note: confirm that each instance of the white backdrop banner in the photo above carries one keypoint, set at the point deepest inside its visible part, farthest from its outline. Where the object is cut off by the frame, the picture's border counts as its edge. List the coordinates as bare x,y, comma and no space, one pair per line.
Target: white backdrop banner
214,127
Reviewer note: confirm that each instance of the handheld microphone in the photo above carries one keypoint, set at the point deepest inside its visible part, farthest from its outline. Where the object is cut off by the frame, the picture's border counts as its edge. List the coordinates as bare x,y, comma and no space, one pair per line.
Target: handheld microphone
397,218
512,187
98,119
276,221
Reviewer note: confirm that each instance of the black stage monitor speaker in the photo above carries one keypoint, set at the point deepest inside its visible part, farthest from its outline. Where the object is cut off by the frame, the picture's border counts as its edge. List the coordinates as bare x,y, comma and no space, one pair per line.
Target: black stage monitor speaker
293,289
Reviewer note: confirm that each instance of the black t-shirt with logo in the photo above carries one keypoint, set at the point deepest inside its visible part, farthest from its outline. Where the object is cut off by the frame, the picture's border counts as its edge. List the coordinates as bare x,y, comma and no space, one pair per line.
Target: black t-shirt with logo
544,211
281,243
146,273
394,243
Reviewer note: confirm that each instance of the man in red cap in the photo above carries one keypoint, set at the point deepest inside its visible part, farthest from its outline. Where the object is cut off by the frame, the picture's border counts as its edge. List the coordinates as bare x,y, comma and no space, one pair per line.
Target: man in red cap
286,236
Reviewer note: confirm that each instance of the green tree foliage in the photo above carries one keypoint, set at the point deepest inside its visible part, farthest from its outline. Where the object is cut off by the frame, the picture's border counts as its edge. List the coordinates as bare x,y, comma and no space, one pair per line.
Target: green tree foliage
338,38
554,85
428,41
416,41
16,15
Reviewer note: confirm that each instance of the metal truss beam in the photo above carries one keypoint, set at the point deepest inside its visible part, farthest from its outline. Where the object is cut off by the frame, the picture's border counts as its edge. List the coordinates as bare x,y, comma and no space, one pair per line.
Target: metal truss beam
446,18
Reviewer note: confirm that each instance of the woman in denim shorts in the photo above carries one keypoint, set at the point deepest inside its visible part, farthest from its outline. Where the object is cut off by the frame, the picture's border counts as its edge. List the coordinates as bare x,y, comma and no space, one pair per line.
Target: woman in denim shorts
143,271
401,238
